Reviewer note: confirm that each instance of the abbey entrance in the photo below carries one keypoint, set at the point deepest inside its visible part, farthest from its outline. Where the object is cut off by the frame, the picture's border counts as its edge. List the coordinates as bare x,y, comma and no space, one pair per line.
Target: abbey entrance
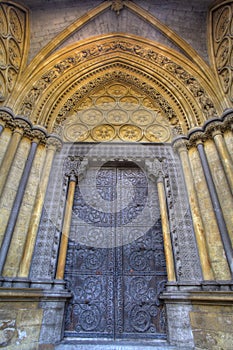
116,174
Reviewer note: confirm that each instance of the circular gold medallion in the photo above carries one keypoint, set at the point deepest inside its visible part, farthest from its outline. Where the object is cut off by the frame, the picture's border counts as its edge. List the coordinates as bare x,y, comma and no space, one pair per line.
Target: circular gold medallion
103,133
117,90
129,103
130,133
117,117
91,116
76,132
157,133
106,103
142,117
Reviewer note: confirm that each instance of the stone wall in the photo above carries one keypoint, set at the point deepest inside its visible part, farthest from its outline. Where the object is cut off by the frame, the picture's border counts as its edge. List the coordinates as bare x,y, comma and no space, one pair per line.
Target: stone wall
188,19
20,325
212,326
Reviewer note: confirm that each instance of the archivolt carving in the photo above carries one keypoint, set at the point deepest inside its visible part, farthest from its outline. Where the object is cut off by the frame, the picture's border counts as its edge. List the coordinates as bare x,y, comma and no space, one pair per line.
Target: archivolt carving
121,73
222,45
193,92
13,26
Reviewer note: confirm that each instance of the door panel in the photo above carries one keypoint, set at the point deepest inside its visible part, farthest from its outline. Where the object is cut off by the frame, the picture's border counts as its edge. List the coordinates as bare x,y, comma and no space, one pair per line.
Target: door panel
115,270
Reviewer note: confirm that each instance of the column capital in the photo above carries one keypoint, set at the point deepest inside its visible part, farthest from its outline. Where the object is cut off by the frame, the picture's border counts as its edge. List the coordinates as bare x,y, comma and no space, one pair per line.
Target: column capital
180,143
22,125
75,167
6,119
213,127
228,121
54,142
38,134
155,169
196,136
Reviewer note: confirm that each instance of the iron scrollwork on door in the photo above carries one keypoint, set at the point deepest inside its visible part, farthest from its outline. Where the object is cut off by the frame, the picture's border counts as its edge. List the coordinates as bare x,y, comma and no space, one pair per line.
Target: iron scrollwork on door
115,270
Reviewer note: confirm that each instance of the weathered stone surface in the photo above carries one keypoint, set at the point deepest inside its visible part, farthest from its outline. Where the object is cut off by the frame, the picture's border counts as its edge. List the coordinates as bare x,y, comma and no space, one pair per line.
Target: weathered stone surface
185,18
212,326
7,331
179,323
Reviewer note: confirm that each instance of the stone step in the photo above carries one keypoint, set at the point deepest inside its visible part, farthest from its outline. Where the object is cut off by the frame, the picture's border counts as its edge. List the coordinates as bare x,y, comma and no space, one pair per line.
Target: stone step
99,344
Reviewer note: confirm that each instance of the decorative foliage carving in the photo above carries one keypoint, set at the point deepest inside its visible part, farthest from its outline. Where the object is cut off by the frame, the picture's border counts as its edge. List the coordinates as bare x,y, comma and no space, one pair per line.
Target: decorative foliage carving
222,44
13,21
117,5
120,76
146,53
155,169
75,166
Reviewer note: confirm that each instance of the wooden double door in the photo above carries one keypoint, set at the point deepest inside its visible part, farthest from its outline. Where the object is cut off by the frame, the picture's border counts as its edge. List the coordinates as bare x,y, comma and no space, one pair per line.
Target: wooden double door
115,265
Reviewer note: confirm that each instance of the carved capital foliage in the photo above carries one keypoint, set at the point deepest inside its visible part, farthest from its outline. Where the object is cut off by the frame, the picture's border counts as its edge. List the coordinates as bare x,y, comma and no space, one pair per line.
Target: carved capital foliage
221,45
228,121
213,128
54,142
155,169
180,143
38,134
13,45
6,119
22,126
196,137
75,167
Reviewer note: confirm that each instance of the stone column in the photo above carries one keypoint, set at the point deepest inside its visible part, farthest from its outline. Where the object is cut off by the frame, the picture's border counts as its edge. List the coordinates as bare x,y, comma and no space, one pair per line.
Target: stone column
181,145
37,135
21,126
53,144
166,231
66,228
196,138
228,131
214,129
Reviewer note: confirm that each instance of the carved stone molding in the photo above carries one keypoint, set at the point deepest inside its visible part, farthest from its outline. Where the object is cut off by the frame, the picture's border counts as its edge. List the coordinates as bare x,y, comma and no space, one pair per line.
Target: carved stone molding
174,73
121,73
212,127
22,125
228,120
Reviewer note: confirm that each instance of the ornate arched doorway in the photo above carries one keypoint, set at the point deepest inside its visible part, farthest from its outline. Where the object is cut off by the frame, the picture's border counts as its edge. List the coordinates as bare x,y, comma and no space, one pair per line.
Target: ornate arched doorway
115,264
122,115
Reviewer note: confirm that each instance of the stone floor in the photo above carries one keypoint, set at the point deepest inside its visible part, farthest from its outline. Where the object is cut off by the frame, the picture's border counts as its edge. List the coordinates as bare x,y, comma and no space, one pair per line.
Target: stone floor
117,345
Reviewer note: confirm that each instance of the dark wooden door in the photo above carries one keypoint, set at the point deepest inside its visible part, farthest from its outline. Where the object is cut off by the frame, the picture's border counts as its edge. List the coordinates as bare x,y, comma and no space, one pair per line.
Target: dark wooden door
115,265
